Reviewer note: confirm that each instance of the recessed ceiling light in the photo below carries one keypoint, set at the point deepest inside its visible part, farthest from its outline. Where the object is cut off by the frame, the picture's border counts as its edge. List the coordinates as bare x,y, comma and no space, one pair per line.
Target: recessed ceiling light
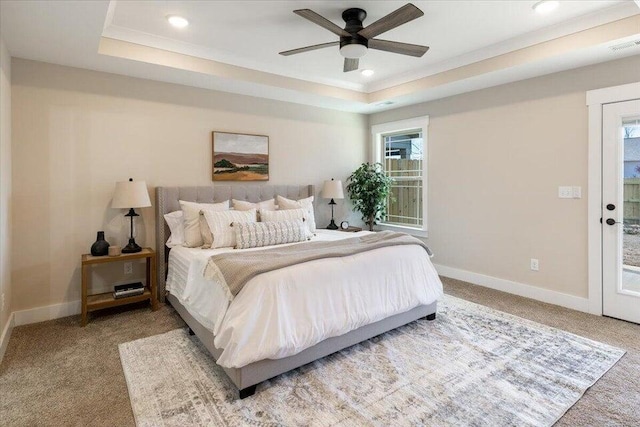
367,73
177,21
545,6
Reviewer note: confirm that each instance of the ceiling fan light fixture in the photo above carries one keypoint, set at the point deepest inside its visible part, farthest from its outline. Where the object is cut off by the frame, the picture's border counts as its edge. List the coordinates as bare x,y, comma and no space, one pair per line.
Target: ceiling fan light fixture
177,21
545,6
353,51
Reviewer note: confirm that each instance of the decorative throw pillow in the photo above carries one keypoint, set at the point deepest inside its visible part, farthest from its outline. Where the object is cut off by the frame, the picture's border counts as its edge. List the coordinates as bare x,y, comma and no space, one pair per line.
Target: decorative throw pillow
258,234
267,205
307,204
221,222
283,215
195,226
176,226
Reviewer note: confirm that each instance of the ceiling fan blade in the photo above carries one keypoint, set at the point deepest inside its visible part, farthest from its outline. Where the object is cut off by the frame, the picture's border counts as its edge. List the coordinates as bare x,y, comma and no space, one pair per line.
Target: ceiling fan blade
406,13
322,21
308,48
397,47
350,64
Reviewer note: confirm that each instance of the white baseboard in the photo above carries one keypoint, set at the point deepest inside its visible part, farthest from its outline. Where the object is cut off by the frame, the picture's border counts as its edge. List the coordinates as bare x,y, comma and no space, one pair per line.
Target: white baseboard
48,312
6,334
56,311
528,291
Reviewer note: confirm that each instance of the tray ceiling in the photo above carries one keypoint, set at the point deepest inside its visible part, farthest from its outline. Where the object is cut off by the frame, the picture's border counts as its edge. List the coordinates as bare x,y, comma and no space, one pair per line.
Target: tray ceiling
234,45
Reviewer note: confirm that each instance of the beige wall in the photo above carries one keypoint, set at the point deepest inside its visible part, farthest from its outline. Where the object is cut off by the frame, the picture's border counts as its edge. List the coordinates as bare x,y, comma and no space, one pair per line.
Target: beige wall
77,132
5,186
496,159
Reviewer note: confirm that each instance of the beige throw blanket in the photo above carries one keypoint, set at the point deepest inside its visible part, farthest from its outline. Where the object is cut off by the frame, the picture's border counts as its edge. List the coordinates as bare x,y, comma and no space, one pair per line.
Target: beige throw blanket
234,269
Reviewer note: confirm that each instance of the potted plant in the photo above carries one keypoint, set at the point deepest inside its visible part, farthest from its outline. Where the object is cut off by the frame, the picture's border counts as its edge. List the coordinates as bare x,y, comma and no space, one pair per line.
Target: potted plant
369,189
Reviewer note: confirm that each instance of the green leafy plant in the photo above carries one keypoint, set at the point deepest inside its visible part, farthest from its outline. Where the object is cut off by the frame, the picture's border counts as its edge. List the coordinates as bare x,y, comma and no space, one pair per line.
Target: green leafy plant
369,189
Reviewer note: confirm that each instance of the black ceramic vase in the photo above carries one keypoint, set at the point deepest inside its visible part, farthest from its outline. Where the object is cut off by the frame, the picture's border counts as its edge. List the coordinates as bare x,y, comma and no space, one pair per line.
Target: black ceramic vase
101,246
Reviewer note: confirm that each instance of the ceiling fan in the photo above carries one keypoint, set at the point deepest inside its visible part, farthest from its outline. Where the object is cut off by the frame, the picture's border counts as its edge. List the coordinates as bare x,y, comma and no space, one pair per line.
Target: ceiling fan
355,39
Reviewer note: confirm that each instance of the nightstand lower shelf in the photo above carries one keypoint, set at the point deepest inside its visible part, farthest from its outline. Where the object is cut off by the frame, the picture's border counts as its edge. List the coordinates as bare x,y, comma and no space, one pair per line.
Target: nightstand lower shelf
106,300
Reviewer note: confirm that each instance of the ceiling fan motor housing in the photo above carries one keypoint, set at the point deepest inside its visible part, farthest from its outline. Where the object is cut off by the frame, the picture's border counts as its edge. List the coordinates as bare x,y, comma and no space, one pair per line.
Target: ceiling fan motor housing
355,40
353,17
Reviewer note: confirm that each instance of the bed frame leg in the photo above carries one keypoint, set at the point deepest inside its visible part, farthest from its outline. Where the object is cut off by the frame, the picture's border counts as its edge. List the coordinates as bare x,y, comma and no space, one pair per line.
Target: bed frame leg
191,332
431,316
249,391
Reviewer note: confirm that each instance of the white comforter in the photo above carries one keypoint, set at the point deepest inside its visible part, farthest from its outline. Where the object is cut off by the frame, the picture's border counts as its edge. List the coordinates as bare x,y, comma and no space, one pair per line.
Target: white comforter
282,312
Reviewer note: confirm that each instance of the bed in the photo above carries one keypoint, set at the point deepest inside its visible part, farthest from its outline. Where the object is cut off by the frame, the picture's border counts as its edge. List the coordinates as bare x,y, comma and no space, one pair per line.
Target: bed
261,347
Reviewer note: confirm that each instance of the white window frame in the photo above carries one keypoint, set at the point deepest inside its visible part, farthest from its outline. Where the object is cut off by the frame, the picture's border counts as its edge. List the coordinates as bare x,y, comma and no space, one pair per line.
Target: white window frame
377,156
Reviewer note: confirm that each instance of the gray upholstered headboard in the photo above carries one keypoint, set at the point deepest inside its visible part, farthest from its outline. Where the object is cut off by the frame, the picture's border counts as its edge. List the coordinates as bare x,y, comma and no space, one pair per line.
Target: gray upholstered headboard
167,200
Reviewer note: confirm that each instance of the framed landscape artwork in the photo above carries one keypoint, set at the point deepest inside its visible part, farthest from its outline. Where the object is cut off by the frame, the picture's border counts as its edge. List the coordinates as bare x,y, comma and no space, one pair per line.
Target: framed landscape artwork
240,157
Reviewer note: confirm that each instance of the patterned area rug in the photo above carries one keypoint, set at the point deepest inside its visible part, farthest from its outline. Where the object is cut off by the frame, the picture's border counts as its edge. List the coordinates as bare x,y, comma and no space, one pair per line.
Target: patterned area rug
471,366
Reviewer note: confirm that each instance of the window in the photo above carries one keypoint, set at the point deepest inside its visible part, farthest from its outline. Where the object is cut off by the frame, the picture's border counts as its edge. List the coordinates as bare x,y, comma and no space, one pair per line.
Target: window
401,148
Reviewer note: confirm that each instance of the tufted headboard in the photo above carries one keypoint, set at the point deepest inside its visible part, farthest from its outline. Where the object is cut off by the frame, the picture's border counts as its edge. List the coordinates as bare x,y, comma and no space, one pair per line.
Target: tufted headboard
167,200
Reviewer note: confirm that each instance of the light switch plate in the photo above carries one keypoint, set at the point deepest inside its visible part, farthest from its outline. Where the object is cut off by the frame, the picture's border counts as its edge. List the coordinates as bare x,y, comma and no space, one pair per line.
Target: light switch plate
565,192
576,192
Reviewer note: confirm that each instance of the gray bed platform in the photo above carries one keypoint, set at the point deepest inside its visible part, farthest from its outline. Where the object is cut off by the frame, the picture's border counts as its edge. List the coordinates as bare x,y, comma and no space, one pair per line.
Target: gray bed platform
247,377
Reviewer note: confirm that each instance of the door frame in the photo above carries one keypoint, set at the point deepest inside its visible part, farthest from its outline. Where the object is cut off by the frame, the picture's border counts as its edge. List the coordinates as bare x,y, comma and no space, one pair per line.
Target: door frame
595,100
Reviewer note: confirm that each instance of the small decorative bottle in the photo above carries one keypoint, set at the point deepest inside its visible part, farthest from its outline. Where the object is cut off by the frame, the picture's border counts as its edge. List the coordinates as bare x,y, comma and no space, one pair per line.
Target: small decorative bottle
101,246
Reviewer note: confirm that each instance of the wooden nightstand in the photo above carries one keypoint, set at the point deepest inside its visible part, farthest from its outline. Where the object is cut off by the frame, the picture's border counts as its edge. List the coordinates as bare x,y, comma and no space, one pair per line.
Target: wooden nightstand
106,300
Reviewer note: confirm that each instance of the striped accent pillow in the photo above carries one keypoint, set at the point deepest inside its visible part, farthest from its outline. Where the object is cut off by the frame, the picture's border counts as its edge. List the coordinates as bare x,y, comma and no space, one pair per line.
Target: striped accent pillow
306,204
282,215
195,227
267,205
221,223
258,234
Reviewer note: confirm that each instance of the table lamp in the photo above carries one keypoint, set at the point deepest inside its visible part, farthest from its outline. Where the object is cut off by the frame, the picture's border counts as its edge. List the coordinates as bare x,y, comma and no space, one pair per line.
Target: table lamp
130,195
332,190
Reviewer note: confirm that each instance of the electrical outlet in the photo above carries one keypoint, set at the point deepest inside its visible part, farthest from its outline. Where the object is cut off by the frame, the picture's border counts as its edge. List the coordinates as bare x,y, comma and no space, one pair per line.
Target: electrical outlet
128,268
535,265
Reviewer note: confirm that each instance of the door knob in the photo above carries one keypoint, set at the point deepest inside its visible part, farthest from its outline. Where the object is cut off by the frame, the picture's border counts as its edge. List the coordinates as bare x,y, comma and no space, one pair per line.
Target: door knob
612,221
611,207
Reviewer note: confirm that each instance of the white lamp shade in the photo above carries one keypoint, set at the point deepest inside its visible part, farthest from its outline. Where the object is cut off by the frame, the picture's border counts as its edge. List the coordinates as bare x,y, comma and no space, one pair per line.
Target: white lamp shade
332,190
131,194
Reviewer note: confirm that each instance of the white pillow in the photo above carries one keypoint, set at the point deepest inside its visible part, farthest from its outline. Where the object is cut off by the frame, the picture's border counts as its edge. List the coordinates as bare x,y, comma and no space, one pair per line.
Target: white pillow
258,234
196,229
287,215
176,226
220,223
307,204
267,205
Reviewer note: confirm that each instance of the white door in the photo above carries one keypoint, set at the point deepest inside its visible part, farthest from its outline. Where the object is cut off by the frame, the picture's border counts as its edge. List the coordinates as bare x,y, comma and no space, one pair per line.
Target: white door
621,210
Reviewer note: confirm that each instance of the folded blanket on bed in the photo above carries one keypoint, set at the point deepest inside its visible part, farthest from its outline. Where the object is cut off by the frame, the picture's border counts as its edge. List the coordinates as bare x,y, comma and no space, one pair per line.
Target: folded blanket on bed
234,269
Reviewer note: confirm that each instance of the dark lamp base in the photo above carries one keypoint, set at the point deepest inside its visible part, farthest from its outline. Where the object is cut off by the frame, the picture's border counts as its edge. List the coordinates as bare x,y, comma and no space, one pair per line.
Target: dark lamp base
332,225
132,247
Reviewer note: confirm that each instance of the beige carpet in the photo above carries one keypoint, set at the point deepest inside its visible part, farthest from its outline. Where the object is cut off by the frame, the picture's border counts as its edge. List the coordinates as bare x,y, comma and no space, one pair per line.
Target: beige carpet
56,373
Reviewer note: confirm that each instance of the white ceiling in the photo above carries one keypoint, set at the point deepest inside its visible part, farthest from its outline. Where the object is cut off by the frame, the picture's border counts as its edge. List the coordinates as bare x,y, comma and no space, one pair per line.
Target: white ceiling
250,34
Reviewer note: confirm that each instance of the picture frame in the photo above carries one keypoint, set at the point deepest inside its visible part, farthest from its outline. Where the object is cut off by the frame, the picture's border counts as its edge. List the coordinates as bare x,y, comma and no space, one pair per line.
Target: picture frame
239,156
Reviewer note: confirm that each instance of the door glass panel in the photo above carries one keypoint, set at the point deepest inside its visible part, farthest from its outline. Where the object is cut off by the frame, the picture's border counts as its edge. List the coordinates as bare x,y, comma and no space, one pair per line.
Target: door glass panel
631,206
